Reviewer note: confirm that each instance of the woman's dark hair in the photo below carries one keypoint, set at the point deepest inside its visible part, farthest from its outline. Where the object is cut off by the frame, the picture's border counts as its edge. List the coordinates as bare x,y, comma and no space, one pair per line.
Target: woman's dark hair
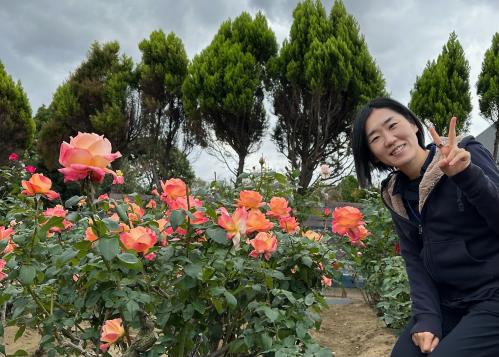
365,161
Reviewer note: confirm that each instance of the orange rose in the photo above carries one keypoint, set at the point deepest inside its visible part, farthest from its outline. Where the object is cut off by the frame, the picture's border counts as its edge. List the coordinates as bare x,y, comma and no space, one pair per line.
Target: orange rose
257,222
39,184
135,212
289,224
278,207
250,199
345,218
112,331
264,243
140,239
235,225
357,234
87,155
5,234
173,189
90,235
312,235
326,281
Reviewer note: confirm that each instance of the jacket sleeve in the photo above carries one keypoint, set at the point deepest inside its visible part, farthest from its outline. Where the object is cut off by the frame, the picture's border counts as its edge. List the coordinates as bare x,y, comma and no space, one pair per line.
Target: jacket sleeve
479,182
424,294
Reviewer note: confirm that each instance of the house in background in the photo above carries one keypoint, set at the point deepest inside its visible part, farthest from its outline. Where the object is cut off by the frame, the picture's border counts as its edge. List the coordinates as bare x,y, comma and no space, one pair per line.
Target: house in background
487,138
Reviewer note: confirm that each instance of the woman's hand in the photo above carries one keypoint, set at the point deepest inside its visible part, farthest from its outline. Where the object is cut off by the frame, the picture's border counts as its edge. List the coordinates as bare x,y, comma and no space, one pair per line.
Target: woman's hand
454,159
426,341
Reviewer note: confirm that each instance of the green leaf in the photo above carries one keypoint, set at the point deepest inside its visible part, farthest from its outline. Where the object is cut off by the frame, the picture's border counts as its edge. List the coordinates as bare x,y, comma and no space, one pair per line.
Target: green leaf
19,332
271,314
193,270
309,299
231,300
3,244
306,260
238,346
121,210
128,258
177,217
218,235
218,305
20,353
108,248
27,274
73,201
66,256
111,225
266,341
52,222
132,307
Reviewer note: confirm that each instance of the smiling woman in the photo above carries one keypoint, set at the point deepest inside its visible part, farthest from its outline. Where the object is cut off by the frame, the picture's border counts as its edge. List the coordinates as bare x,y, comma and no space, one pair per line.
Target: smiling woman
444,201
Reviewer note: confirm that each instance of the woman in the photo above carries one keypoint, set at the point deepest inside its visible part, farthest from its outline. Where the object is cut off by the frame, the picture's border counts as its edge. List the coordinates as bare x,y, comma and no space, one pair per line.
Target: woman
444,201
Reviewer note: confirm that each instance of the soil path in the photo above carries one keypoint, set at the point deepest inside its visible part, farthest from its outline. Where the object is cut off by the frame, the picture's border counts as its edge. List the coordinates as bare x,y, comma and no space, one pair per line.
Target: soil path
349,328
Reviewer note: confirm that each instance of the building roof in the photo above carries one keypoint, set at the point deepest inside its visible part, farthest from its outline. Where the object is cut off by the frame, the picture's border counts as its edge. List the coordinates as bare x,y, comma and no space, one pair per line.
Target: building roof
487,137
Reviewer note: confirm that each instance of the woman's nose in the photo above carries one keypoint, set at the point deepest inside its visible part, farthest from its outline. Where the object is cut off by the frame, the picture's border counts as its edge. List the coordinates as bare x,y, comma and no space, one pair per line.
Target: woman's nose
389,139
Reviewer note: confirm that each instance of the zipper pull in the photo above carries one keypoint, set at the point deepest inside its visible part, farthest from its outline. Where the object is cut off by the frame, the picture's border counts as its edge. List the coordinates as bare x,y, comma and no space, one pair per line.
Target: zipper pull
420,230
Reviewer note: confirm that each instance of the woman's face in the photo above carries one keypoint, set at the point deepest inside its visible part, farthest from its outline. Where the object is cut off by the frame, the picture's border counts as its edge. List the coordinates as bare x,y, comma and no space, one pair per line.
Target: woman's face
392,139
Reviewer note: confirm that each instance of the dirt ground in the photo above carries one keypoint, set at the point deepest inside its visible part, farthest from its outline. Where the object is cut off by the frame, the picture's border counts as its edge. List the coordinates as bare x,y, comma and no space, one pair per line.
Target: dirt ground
353,330
350,330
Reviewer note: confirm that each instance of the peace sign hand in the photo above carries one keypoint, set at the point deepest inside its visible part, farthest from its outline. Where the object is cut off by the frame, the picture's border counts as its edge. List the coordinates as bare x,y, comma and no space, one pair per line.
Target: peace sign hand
454,159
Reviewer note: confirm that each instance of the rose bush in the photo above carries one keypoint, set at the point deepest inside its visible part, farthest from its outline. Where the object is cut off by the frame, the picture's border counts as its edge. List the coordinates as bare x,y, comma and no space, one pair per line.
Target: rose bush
209,274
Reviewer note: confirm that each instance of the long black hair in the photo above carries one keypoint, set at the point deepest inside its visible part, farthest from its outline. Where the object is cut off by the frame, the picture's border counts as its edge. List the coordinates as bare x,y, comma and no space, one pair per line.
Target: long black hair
365,161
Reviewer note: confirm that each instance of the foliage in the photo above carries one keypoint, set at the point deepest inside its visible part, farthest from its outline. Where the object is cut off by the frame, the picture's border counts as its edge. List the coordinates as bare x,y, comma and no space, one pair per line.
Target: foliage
16,125
385,279
322,74
194,293
224,89
95,98
350,190
488,89
443,89
162,72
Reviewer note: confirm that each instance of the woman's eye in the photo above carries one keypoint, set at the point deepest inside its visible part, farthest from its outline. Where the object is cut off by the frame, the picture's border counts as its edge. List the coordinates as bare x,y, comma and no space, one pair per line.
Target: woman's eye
374,139
392,125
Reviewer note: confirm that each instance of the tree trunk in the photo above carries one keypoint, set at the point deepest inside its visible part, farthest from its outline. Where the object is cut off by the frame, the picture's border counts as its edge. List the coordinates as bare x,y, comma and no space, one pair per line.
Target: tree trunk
240,167
305,178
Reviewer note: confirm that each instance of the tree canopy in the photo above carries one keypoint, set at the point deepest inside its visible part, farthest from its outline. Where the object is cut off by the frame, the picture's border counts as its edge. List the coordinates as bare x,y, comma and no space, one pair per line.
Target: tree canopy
16,124
443,89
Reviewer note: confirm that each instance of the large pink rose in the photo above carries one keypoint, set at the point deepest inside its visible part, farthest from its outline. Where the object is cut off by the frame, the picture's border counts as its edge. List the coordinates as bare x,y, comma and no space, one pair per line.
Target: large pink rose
87,155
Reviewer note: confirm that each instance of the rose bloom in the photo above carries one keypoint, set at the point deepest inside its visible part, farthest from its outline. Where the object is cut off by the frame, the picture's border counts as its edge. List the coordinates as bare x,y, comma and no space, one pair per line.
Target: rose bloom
135,212
235,225
181,203
250,200
150,257
112,331
326,281
199,218
13,157
325,171
278,207
87,155
5,234
90,235
264,243
151,204
2,265
30,169
140,239
119,179
312,235
39,184
102,197
357,234
173,189
289,224
345,218
57,211
257,222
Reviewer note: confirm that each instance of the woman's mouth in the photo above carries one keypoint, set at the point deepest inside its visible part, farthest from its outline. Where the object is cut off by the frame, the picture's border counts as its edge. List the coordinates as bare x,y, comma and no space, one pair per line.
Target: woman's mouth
398,150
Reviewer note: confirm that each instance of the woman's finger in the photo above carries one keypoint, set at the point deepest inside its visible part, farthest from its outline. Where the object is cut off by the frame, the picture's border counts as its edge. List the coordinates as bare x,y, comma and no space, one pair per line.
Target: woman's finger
461,156
452,132
434,344
452,152
435,136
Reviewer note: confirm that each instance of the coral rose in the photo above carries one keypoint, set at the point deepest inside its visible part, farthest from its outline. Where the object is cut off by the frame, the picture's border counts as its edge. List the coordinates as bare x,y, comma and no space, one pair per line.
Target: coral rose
235,225
5,234
312,235
250,200
87,155
173,189
140,239
357,234
90,235
345,218
112,331
257,222
289,224
278,207
264,243
39,184
2,265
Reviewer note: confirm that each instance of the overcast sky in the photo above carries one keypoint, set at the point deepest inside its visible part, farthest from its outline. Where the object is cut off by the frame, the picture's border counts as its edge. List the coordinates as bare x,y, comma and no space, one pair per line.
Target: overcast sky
42,41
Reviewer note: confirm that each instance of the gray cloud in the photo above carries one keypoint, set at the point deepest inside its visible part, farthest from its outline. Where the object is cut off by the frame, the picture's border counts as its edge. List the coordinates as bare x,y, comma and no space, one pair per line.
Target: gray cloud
44,40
